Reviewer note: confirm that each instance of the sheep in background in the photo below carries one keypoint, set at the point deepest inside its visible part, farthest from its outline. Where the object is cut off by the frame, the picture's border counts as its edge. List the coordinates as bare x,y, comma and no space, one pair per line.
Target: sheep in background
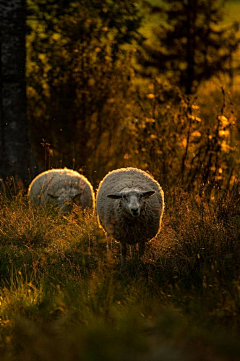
130,206
62,187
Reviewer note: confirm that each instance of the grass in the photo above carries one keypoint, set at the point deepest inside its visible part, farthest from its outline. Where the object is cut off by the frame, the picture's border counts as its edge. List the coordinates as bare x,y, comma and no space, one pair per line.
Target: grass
61,298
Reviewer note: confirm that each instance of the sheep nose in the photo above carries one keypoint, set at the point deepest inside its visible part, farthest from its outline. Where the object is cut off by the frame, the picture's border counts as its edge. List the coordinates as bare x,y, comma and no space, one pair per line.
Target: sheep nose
135,211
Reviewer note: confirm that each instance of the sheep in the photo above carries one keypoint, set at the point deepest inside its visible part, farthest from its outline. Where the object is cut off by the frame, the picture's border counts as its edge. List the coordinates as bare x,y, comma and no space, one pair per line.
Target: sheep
130,205
62,187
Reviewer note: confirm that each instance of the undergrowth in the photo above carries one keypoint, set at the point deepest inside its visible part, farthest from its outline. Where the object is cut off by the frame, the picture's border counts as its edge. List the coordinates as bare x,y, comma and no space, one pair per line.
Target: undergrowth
62,298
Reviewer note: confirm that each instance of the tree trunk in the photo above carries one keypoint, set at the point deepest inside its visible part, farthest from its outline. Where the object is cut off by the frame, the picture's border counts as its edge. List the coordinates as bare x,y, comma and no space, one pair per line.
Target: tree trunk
14,144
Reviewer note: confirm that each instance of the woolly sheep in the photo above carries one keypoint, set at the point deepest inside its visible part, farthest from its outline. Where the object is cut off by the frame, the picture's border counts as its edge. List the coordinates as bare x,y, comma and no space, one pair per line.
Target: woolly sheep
130,206
62,187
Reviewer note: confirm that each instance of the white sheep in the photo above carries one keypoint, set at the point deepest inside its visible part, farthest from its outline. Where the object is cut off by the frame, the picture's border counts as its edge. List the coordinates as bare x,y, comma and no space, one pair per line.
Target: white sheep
62,187
130,206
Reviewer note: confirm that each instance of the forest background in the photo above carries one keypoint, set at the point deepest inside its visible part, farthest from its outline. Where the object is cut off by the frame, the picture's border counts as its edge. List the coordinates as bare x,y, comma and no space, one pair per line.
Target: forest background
95,85
92,83
106,89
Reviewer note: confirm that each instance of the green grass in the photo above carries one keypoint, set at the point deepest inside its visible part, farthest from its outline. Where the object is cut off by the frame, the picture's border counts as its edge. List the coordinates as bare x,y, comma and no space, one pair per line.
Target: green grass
61,298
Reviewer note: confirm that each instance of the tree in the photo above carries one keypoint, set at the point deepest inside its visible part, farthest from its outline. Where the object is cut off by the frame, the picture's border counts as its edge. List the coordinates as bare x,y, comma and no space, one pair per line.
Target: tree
191,46
14,144
78,79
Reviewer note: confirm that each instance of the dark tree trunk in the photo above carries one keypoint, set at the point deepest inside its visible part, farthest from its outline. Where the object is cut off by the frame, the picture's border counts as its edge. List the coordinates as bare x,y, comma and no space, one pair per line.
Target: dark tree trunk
14,144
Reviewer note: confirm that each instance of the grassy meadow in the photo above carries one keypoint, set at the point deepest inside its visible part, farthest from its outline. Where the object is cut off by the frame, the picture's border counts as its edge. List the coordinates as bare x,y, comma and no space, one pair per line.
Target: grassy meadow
62,298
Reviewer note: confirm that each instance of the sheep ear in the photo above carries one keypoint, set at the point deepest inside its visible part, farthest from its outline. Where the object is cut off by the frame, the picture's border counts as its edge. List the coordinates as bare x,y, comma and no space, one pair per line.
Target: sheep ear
52,196
147,194
77,195
115,195
76,199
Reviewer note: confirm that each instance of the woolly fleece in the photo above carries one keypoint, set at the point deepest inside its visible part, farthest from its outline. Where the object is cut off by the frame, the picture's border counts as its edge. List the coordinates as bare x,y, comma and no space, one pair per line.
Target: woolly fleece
110,216
66,182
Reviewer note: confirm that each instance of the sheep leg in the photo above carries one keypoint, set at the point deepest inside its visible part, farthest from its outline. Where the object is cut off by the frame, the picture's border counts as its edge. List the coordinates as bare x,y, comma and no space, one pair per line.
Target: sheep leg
123,248
141,249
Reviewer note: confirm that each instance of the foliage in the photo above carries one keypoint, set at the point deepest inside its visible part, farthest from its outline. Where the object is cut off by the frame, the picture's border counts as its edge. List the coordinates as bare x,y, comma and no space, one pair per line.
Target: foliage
89,110
193,142
78,79
191,45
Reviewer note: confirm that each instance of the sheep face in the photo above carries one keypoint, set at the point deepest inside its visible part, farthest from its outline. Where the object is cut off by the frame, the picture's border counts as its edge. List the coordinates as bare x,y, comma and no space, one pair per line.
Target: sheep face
132,201
65,198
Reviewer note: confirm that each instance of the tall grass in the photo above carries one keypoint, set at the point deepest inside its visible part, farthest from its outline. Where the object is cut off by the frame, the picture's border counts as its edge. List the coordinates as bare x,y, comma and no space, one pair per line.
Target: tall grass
61,298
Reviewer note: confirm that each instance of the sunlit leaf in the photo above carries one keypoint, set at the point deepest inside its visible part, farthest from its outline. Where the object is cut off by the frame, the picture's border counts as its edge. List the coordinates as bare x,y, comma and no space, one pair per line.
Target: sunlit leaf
151,96
153,136
150,120
196,134
224,120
